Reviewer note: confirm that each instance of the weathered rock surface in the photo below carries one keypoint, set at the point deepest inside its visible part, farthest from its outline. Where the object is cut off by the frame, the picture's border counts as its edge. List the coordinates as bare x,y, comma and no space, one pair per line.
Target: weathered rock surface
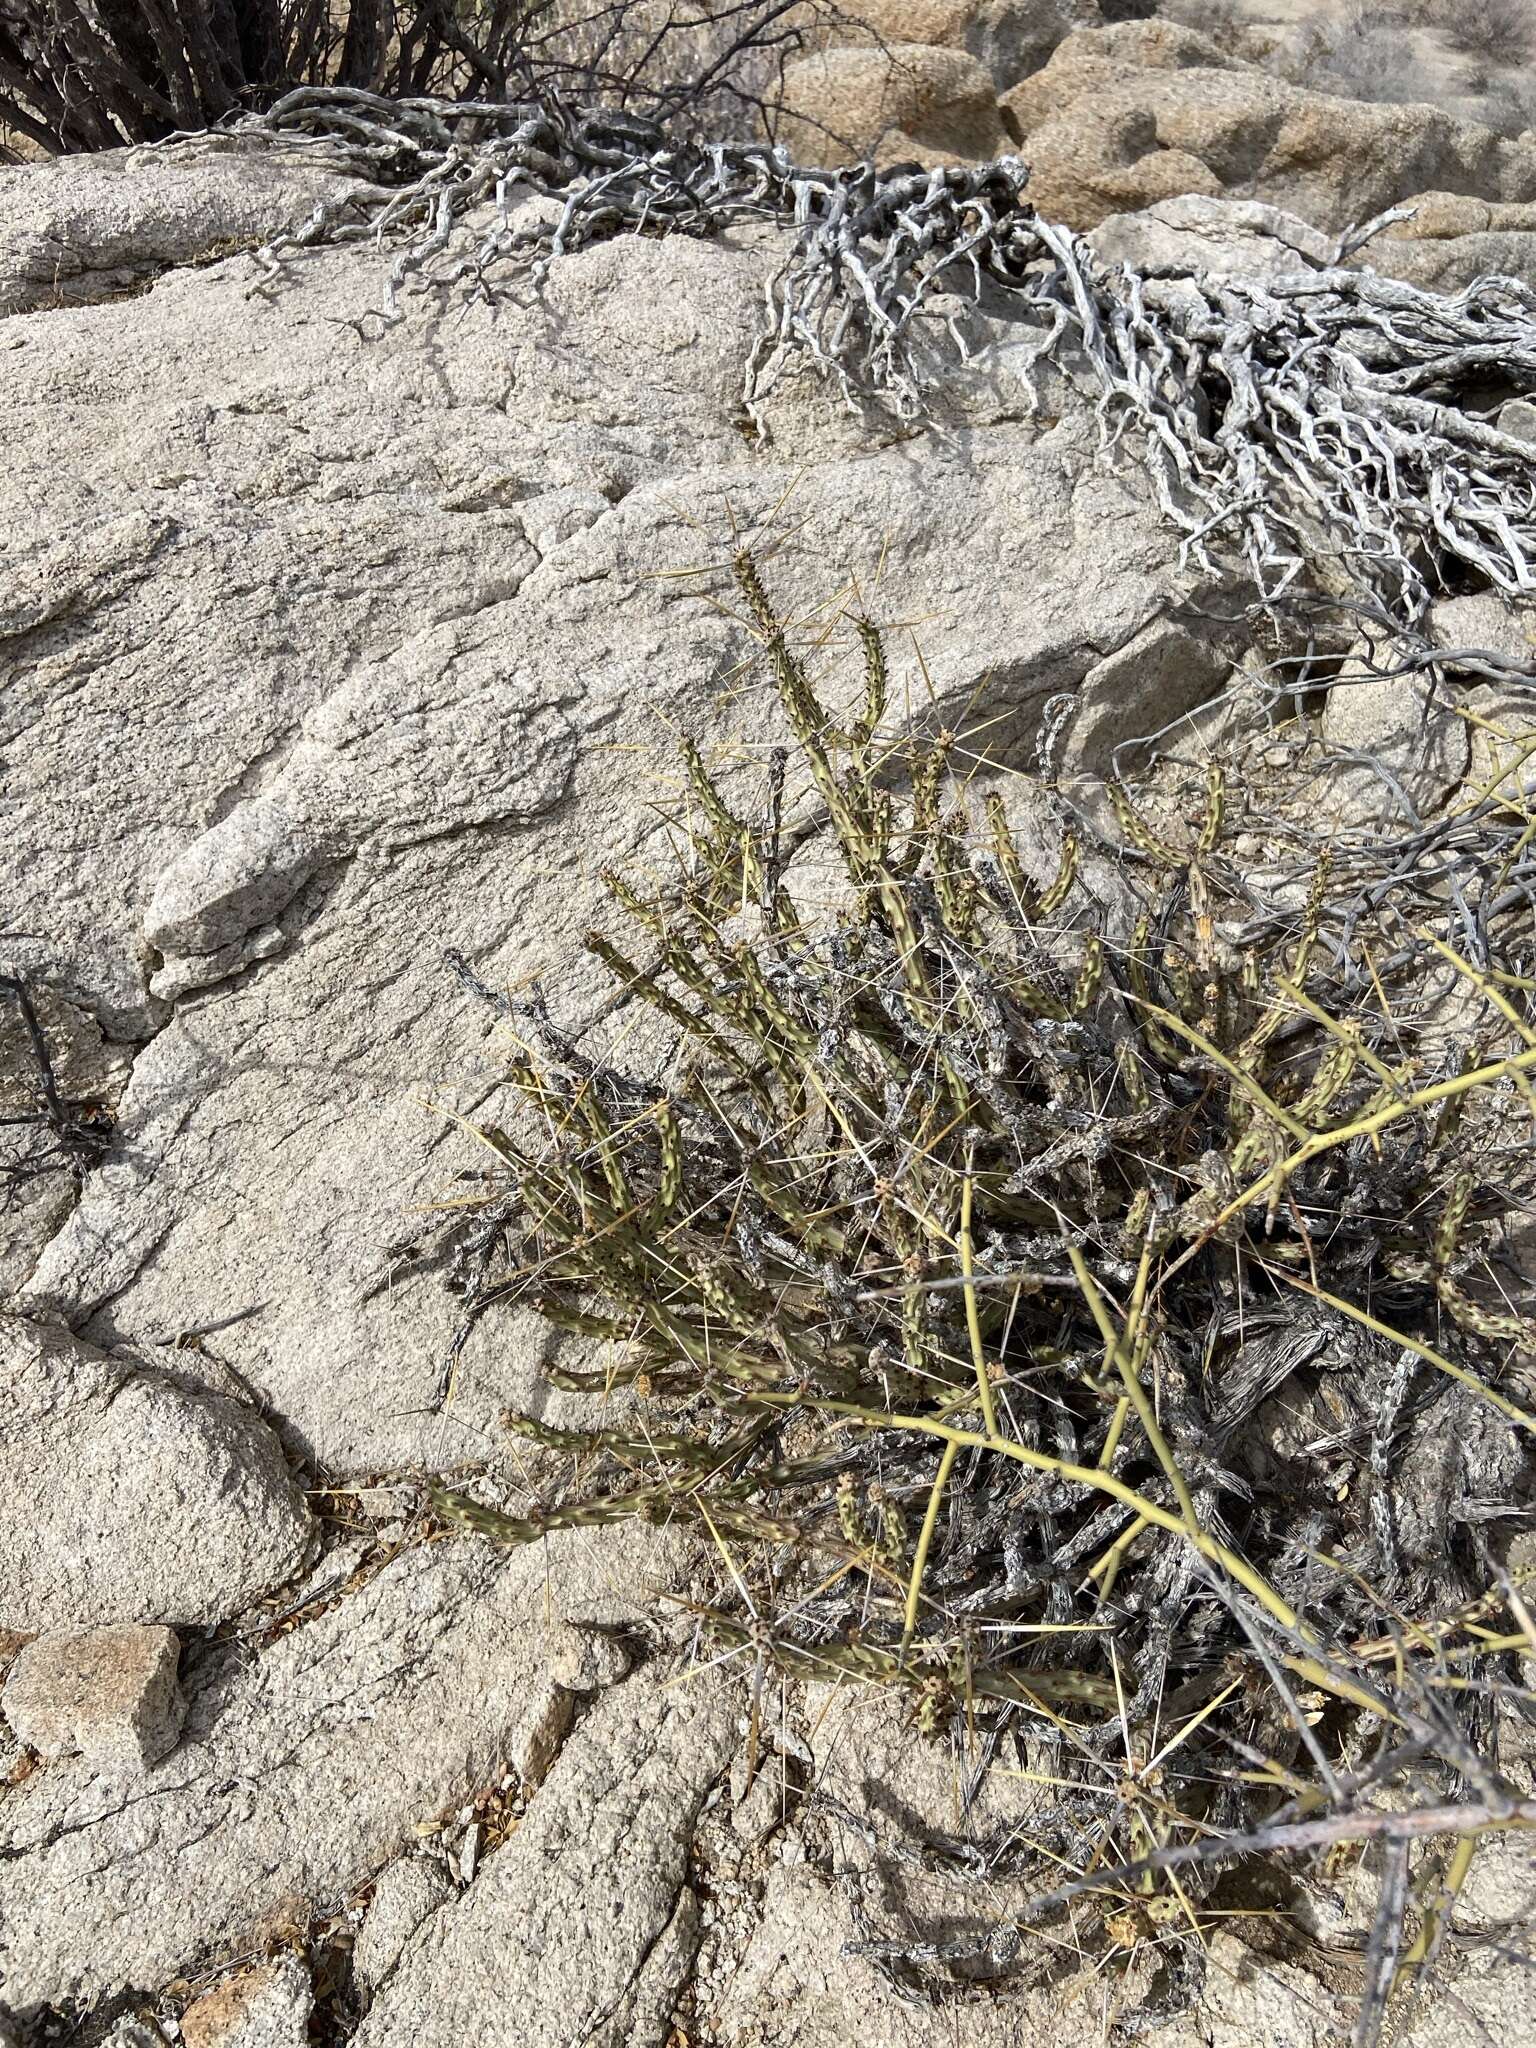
81,229
592,1889
1488,2003
1011,38
897,102
1480,623
305,1764
107,1694
407,1892
1248,2000
1501,741
1221,237
1245,237
1163,666
125,1496
267,2007
1409,748
1082,65
1122,143
1453,239
797,1988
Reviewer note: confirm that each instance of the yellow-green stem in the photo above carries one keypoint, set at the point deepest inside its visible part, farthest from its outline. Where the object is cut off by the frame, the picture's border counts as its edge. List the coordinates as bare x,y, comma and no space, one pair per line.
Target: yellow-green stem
972,1313
1215,1553
1364,1127
925,1541
1212,1051
1135,1391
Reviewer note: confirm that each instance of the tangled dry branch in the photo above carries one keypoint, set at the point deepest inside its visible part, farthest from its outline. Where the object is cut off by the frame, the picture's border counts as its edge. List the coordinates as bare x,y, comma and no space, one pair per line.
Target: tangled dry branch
1326,420
78,76
44,1133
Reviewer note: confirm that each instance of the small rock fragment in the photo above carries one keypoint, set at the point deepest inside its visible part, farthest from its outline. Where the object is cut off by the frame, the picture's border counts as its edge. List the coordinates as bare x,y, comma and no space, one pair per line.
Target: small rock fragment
108,1694
384,1504
267,2007
537,1742
587,1659
231,881
184,972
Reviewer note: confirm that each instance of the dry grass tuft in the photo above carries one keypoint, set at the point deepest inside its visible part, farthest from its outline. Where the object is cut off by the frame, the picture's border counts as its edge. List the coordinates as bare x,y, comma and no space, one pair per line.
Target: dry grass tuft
1494,31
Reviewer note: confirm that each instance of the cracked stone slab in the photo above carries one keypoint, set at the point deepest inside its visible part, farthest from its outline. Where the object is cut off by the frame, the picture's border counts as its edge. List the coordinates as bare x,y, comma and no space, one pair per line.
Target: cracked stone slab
581,1927
308,1762
1193,231
482,775
405,1894
241,482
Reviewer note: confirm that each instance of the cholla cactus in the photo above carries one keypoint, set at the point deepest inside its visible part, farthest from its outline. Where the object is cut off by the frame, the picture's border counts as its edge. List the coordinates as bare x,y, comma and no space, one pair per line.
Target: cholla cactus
1097,1330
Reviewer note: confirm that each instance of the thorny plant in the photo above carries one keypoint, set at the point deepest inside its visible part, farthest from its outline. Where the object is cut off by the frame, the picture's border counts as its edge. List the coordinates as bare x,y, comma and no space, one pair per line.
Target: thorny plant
1328,420
1098,1337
